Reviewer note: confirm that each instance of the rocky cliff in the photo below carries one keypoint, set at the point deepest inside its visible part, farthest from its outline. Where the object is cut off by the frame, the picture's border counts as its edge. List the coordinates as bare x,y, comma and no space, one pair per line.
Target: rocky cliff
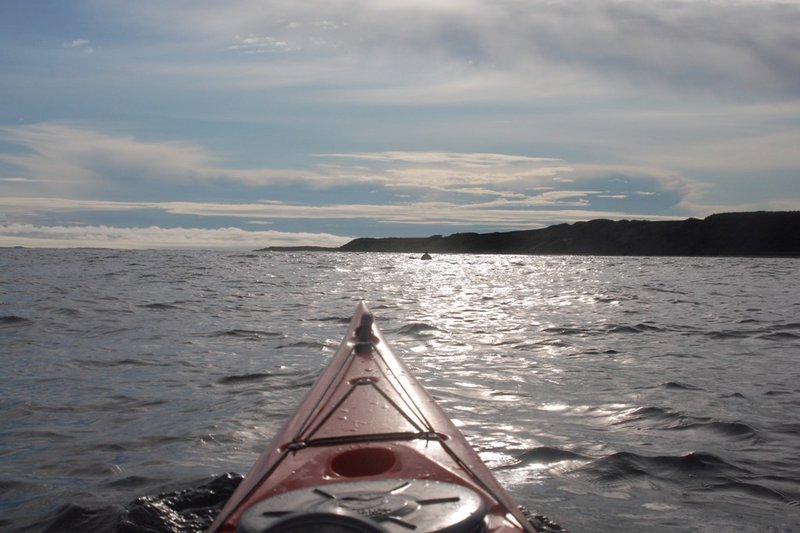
728,234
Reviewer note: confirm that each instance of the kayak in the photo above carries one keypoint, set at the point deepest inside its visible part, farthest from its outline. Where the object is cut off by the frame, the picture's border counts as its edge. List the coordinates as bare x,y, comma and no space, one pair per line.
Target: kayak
368,449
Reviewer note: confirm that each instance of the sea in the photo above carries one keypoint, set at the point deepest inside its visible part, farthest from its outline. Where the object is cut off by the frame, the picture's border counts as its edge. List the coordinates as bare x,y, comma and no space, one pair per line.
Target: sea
619,394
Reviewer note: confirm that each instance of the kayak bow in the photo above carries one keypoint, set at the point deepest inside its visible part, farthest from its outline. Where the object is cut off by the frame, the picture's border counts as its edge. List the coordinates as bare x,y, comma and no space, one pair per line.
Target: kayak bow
369,450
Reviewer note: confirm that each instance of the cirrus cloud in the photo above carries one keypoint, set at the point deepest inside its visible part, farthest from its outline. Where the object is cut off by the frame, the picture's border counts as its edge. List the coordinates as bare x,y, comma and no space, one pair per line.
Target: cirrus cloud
392,50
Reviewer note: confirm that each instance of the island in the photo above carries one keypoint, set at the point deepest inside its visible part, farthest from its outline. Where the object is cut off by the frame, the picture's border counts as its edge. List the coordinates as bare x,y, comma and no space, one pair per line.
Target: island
758,234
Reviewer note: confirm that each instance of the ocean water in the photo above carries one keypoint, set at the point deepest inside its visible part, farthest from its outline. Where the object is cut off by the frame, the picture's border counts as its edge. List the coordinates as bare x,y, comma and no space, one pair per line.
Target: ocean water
608,393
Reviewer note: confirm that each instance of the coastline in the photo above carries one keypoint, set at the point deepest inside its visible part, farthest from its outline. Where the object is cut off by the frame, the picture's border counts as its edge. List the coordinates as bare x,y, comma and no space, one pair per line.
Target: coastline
745,234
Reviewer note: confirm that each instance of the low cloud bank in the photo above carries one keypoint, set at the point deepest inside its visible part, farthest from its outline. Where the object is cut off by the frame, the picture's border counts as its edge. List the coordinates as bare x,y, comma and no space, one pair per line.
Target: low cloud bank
156,237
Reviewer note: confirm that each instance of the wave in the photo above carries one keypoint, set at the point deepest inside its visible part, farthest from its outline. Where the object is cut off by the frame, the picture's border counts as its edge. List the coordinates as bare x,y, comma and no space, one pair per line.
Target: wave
74,517
663,290
734,430
789,331
738,395
36,435
118,402
788,428
678,385
161,306
774,392
68,311
546,455
336,319
16,488
287,380
130,482
780,335
604,352
237,387
302,344
417,329
95,363
638,328
190,509
608,329
244,378
248,334
564,330
652,414
693,472
669,420
546,342
13,320
692,466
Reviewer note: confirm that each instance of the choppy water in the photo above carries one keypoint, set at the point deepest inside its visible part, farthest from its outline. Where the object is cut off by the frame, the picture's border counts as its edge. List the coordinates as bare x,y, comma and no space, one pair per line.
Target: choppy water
616,394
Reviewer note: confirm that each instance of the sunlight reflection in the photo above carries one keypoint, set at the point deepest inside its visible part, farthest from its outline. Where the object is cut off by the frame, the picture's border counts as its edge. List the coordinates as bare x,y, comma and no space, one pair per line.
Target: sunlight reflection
553,407
658,506
457,422
615,416
494,459
524,476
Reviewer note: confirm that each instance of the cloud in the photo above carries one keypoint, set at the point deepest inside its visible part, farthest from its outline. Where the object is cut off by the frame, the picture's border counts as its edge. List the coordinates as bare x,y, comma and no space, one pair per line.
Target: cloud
516,181
81,44
66,161
69,161
743,153
76,160
156,237
528,212
76,43
446,158
51,204
470,50
443,214
21,179
253,44
699,46
466,173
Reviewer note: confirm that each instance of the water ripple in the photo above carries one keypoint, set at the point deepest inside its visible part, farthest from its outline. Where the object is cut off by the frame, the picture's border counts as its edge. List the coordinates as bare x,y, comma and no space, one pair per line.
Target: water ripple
586,381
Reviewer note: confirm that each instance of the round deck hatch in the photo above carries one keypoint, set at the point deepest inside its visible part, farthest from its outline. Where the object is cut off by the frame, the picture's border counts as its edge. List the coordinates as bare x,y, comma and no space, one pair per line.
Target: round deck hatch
390,505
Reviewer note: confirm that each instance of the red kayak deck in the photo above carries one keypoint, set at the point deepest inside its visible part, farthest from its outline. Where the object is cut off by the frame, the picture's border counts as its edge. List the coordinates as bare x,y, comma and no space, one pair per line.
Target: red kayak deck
367,420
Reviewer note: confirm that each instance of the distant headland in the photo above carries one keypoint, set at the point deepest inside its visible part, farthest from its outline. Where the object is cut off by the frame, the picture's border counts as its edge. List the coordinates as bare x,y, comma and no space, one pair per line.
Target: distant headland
758,234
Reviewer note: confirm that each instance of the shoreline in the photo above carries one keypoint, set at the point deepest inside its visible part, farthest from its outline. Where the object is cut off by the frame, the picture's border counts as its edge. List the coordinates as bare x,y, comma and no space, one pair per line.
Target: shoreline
746,234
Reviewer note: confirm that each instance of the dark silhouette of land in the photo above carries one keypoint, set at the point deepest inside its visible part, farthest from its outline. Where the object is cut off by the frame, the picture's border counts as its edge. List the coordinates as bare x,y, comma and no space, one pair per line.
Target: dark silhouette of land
761,234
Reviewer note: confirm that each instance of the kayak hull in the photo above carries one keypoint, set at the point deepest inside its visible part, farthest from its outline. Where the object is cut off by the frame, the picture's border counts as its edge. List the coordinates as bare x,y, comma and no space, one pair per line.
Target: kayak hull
366,420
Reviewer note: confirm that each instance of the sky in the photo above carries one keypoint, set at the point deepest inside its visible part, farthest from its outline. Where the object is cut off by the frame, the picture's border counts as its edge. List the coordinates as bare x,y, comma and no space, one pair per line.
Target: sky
251,123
